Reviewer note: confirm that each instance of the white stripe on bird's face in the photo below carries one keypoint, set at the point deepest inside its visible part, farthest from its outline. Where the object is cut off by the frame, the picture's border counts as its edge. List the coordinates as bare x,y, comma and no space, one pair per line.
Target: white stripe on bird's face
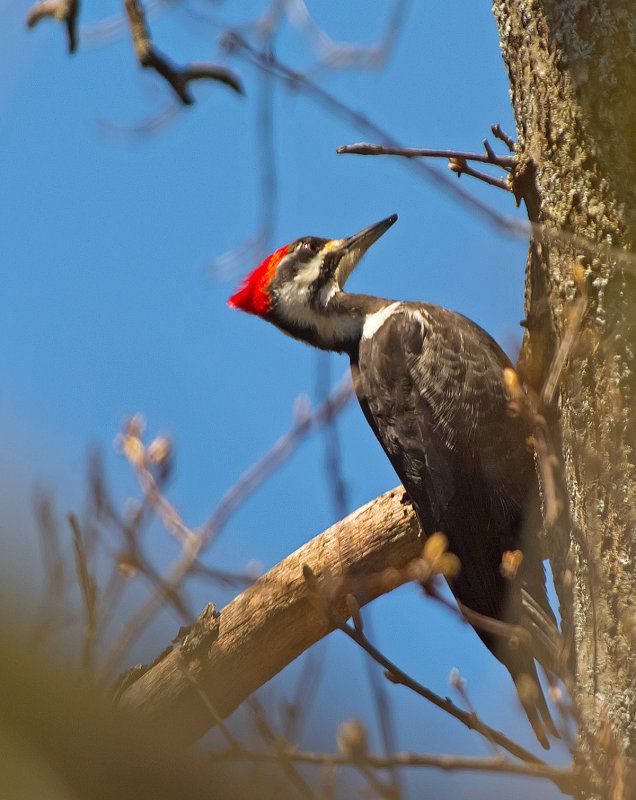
307,274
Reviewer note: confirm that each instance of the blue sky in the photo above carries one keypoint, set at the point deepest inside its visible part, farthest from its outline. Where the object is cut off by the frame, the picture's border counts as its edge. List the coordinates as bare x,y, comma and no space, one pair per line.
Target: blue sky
110,307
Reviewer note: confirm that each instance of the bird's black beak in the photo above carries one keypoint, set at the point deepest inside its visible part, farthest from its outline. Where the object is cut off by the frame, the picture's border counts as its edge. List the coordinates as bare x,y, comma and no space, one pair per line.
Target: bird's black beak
353,248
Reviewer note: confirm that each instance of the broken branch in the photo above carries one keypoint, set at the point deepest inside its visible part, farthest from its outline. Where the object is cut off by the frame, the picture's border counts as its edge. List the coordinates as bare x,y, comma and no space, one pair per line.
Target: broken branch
273,621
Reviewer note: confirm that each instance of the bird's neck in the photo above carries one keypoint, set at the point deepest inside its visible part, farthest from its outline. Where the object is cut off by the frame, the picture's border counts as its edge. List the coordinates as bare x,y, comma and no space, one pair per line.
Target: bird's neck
336,325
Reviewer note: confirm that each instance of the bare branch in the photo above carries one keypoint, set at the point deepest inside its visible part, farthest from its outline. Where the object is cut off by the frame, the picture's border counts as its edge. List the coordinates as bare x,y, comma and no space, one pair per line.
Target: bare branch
218,721
226,577
383,708
460,167
53,613
269,737
507,140
535,407
306,422
396,675
566,778
457,160
548,464
363,149
145,461
256,247
352,743
273,621
345,55
193,544
88,588
179,78
516,634
65,11
284,613
575,315
296,81
295,711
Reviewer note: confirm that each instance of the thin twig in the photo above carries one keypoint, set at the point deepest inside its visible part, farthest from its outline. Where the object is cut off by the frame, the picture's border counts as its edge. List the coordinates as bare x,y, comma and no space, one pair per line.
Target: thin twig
344,55
256,247
363,149
459,684
269,737
564,350
306,422
88,587
295,712
535,407
460,167
111,29
505,630
298,82
132,525
225,577
333,458
152,464
507,140
383,710
396,675
150,125
51,615
193,546
512,226
547,462
205,699
566,778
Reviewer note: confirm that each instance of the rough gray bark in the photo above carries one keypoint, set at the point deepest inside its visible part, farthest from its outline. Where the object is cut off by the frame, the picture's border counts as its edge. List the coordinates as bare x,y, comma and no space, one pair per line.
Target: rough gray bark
572,70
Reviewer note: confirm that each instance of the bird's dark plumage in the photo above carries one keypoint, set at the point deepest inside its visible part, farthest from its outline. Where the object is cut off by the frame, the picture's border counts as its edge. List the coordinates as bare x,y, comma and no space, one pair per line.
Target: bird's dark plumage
432,385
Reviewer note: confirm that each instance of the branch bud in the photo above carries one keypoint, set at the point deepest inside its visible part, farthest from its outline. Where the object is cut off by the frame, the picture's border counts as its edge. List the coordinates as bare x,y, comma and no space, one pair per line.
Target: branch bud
352,739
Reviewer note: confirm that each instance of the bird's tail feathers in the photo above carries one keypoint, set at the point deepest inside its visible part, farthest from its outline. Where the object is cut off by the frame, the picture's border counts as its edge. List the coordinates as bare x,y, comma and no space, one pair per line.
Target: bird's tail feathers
533,701
540,623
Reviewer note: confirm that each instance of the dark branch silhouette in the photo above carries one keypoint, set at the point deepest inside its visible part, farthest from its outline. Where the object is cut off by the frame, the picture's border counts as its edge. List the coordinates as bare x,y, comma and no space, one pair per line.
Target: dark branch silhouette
65,11
179,78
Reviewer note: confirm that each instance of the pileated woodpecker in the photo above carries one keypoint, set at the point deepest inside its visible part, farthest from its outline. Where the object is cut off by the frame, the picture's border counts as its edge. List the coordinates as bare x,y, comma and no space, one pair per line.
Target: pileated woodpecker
431,385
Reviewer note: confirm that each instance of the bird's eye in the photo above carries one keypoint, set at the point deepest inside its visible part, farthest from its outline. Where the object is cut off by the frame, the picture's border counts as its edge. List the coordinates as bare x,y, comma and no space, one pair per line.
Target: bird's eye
311,247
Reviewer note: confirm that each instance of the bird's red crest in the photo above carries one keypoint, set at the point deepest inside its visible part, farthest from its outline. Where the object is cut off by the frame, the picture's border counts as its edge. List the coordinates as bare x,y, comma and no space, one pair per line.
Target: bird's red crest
252,295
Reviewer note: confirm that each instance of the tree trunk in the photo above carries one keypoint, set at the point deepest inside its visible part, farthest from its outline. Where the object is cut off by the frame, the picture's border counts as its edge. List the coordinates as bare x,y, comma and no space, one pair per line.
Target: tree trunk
572,70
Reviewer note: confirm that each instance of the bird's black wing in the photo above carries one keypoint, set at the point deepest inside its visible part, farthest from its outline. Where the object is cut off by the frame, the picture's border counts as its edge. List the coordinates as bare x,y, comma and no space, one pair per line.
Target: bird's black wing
426,387
431,385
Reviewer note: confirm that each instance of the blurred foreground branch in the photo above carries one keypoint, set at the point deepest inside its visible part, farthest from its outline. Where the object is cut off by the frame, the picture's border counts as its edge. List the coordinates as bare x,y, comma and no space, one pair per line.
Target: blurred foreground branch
561,776
194,543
